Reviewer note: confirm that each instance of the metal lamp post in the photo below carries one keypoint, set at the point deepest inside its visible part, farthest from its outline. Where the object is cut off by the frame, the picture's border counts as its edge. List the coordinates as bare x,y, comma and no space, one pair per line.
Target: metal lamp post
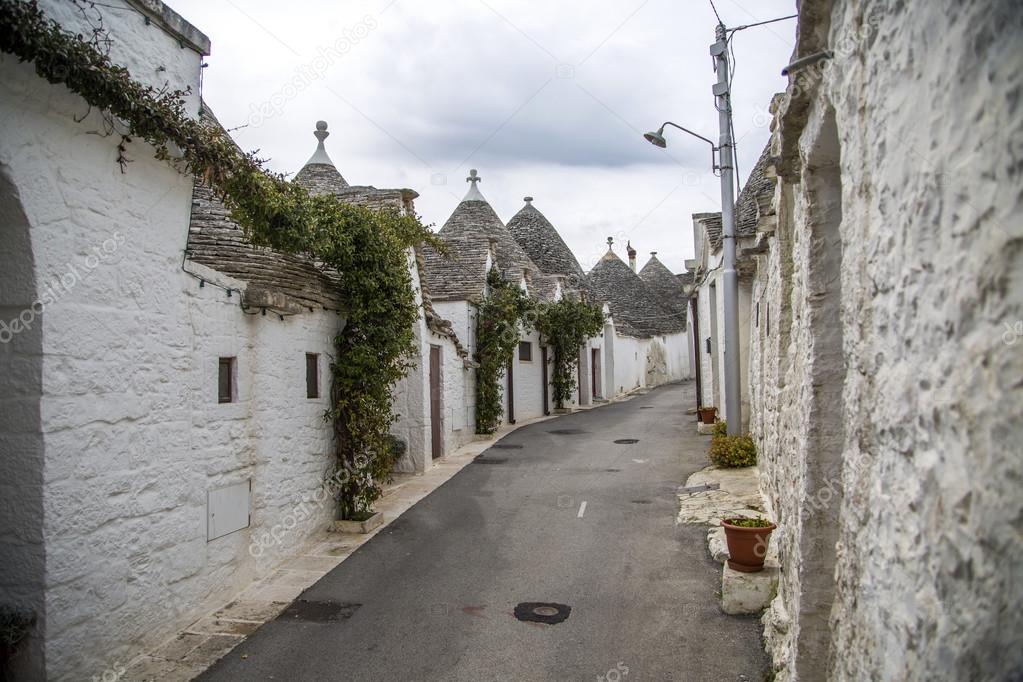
726,164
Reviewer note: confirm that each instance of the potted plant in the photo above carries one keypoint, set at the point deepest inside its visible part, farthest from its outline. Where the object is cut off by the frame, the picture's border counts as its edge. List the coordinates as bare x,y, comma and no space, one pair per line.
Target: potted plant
708,414
358,488
747,542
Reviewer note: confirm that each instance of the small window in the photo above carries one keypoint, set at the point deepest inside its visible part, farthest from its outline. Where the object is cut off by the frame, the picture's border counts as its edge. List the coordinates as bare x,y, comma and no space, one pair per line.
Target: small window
756,317
312,375
525,351
225,380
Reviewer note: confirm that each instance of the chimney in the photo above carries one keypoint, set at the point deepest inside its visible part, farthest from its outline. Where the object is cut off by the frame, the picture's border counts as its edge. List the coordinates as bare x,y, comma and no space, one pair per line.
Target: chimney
632,255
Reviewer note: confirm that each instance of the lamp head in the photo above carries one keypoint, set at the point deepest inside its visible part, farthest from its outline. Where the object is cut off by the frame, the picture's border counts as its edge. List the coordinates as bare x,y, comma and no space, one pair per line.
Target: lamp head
656,139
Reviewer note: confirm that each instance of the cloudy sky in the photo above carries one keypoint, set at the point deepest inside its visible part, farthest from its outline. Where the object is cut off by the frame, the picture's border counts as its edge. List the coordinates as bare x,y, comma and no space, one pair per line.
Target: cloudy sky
546,99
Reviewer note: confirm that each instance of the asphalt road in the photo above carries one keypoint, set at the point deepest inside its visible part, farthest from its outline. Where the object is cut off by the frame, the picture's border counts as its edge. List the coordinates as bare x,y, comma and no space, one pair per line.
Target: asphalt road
571,518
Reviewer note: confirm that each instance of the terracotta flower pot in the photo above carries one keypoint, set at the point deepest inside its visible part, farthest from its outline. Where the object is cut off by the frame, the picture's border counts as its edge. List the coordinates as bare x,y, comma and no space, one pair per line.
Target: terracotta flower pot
708,415
747,547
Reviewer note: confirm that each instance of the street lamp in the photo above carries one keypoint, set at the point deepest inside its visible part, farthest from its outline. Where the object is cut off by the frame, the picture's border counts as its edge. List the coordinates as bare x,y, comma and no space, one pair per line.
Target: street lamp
657,139
726,164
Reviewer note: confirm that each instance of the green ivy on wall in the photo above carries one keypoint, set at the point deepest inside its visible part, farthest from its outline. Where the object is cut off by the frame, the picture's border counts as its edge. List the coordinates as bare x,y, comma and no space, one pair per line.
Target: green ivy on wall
565,325
499,319
367,248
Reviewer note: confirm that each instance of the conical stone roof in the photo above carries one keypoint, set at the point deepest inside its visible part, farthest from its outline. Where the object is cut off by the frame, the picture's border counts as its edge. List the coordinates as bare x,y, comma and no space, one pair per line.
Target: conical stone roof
319,175
469,231
544,246
665,285
635,309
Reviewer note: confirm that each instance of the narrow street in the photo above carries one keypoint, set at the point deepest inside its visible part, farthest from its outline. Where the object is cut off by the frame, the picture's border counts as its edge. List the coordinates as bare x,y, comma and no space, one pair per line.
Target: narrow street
554,512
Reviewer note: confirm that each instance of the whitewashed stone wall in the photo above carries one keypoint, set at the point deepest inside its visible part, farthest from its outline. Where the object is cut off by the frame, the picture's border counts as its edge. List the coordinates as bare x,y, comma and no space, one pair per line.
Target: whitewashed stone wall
459,383
102,419
889,423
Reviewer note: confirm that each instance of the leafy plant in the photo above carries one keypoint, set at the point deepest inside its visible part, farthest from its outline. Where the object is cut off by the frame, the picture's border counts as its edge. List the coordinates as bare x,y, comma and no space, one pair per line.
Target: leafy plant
500,319
742,522
367,248
566,324
720,428
732,451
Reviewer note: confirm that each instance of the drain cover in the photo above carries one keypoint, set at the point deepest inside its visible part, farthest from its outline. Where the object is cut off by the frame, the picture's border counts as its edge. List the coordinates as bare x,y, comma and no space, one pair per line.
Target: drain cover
481,459
319,611
566,432
640,501
612,471
506,446
627,441
542,612
647,407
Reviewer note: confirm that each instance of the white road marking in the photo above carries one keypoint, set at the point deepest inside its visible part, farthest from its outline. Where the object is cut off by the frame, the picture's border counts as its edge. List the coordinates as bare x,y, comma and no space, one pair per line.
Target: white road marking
640,461
582,510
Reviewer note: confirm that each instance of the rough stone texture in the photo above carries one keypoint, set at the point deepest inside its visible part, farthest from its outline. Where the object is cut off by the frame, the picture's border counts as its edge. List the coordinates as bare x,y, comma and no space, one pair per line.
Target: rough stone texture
887,391
666,286
544,246
636,309
745,593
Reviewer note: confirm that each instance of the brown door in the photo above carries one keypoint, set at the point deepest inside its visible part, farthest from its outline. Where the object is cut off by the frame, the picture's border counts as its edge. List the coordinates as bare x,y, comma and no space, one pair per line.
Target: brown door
437,447
594,371
543,378
511,393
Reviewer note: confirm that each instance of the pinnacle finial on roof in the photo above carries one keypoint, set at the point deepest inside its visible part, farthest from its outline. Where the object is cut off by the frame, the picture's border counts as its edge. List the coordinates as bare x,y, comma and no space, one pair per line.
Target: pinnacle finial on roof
628,248
320,155
653,253
474,192
610,241
528,200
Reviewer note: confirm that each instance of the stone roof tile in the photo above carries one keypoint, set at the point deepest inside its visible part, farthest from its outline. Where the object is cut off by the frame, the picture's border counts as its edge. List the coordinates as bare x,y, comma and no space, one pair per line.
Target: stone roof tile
665,285
635,309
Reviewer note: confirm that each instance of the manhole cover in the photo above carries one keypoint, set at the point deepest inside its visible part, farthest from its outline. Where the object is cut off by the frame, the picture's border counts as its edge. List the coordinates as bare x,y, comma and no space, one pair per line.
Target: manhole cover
627,441
566,432
319,611
480,459
506,446
542,612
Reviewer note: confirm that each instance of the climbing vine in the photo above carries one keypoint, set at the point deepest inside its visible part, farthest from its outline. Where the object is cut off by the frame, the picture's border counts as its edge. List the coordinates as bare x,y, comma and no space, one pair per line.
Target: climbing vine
565,325
499,319
366,248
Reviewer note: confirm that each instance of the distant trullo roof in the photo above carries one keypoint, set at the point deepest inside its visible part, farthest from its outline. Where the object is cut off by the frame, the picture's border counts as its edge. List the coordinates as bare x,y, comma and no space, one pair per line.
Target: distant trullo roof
635,308
667,287
544,246
469,232
319,174
216,241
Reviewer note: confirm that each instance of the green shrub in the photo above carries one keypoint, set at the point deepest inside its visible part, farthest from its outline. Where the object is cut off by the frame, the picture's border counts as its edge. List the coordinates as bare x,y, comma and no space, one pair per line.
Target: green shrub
748,523
732,451
720,428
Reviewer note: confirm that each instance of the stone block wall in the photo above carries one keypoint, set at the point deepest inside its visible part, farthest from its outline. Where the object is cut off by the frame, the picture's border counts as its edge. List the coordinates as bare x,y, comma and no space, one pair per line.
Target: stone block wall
888,405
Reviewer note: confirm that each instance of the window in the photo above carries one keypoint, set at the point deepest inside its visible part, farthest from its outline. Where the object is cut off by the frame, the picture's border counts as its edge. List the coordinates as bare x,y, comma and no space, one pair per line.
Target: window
312,375
525,351
225,381
756,317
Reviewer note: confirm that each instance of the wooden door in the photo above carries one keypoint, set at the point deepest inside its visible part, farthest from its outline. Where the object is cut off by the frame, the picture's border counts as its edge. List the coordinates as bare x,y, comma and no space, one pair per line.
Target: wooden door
543,379
511,393
595,371
436,442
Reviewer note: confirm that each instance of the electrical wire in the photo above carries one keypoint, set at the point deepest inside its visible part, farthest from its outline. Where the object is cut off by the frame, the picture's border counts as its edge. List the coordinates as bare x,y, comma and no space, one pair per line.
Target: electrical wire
720,23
